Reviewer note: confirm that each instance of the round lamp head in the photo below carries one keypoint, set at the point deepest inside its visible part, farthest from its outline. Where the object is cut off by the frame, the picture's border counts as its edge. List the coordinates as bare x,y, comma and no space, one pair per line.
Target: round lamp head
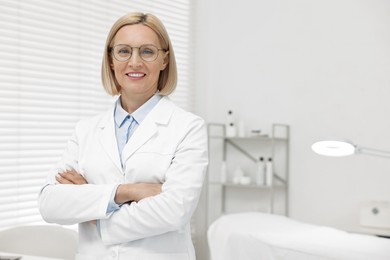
334,148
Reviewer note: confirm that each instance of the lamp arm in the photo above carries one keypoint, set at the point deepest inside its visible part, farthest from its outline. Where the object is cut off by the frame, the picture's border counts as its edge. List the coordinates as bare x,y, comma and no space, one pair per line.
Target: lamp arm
372,152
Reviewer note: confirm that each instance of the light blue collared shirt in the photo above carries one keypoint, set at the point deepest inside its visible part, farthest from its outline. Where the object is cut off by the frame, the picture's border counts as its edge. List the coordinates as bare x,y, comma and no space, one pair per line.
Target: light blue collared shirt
125,125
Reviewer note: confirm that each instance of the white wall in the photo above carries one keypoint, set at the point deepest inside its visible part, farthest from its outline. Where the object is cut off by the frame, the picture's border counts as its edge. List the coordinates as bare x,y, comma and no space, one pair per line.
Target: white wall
321,66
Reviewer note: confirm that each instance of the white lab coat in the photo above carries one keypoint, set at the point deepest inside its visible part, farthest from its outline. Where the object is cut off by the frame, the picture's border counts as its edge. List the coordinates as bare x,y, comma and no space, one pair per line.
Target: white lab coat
169,147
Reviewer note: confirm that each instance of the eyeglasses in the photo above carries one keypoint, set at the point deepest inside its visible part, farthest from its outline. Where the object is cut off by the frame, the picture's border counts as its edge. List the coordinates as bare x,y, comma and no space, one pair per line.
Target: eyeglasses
123,52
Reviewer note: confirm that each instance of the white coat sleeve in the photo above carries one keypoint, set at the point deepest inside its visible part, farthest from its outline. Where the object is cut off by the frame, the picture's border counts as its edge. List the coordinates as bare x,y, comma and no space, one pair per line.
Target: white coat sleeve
172,209
71,204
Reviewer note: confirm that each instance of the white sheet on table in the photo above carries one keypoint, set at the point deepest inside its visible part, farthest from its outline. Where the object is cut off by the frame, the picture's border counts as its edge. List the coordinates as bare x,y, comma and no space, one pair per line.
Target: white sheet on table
260,236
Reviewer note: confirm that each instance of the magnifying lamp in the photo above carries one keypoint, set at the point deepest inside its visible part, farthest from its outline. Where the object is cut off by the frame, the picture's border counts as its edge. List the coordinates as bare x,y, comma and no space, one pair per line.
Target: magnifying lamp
337,148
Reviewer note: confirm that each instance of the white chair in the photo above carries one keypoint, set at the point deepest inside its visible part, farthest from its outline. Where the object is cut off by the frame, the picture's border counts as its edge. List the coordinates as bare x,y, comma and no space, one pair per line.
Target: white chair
47,241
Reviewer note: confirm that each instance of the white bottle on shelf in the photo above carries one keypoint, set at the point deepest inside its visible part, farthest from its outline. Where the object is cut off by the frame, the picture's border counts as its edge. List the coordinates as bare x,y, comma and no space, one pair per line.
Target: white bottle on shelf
269,172
223,172
238,174
231,129
260,172
241,129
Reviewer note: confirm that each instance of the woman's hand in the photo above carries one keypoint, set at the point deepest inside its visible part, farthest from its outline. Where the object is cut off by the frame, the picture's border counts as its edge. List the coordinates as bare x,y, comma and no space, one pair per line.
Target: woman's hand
136,191
71,177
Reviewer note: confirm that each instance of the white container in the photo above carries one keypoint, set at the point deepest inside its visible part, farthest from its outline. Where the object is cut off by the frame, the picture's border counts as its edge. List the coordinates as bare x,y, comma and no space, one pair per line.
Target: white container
238,174
231,129
245,180
230,117
241,129
269,172
223,172
260,172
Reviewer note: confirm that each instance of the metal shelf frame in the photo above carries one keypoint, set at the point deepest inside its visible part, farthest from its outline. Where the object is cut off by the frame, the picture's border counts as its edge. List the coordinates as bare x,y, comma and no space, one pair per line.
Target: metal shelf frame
234,142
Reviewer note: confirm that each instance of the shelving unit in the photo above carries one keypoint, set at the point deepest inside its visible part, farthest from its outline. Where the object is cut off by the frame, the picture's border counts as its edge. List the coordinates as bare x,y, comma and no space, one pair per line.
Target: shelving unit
276,145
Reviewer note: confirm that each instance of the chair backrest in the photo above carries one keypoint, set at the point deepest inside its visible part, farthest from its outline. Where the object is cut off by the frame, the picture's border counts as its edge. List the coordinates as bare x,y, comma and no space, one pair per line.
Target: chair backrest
47,241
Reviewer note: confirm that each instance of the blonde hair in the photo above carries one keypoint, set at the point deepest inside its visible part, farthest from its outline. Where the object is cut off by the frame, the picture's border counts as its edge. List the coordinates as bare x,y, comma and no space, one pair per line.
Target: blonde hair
168,77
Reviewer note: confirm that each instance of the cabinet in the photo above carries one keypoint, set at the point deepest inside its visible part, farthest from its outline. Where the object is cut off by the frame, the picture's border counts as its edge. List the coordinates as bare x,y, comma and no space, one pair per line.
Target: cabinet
242,155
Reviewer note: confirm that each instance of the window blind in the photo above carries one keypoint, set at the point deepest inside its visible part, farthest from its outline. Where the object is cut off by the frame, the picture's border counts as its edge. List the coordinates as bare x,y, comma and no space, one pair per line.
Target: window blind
50,78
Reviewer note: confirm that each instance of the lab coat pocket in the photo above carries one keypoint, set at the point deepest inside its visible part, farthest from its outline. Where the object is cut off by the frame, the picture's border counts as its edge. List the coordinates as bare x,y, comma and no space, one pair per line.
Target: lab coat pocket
85,257
179,256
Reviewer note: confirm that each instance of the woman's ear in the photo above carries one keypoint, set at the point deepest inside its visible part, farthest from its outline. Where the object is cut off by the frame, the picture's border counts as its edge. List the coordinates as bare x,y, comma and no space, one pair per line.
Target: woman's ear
166,60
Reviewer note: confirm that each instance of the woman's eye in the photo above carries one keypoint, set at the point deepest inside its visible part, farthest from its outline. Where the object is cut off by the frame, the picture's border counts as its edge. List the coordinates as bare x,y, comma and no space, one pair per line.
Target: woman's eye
124,51
147,52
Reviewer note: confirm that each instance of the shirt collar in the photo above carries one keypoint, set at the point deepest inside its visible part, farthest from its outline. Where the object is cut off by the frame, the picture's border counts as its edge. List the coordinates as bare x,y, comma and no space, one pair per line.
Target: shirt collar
120,115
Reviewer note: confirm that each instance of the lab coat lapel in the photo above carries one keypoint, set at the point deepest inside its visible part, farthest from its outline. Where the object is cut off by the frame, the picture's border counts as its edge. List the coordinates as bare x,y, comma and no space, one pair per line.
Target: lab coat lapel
159,115
108,140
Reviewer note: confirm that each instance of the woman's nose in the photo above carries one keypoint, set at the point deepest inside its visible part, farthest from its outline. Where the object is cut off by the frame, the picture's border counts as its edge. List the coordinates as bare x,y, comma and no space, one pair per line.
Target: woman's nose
135,59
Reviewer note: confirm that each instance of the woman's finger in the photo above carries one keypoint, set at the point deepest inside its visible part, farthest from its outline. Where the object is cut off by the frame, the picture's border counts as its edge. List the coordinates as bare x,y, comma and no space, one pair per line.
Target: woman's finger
62,180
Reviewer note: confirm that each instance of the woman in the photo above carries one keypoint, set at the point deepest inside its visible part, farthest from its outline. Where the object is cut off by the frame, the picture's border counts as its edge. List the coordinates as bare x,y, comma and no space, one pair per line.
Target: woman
132,177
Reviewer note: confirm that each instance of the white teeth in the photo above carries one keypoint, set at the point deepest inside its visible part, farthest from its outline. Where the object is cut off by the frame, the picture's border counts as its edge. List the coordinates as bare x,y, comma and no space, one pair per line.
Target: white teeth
136,75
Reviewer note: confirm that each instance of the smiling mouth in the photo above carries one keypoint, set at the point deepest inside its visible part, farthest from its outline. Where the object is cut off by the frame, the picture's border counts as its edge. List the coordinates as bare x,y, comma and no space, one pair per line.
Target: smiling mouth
136,75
